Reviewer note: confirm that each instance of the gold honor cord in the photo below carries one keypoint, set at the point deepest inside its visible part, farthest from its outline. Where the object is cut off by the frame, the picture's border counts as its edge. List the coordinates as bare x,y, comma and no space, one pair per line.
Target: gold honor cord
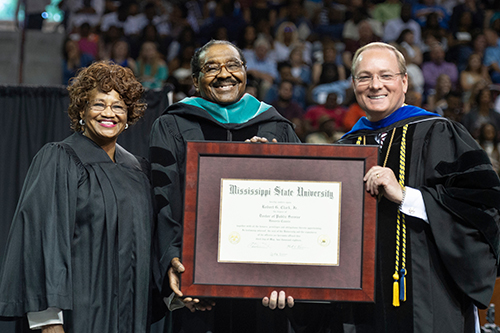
358,142
399,285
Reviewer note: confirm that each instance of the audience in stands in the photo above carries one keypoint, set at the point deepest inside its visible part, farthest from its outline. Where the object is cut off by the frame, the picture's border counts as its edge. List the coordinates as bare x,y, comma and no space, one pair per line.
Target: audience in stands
330,108
488,139
302,48
285,74
328,68
326,132
413,53
393,28
261,66
436,66
482,112
474,77
300,70
152,70
88,42
422,10
454,108
354,112
436,99
73,59
286,39
120,54
492,54
285,104
247,40
328,19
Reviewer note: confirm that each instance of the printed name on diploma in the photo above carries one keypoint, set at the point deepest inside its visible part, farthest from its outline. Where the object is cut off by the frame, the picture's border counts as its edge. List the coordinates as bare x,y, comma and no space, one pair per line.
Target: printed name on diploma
278,191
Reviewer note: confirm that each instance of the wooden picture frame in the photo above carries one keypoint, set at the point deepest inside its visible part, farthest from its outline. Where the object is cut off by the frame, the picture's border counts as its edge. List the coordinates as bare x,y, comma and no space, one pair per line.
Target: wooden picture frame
353,279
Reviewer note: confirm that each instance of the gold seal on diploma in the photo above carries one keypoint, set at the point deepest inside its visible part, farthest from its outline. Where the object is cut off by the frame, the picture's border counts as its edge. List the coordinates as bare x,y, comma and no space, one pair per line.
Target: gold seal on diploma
324,240
234,237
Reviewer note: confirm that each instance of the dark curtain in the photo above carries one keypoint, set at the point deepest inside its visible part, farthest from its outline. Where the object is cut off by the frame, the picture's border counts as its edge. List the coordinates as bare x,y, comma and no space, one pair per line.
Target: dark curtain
34,116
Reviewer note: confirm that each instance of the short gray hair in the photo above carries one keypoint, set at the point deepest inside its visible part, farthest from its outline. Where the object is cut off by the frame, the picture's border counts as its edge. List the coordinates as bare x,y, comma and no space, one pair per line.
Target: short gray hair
195,60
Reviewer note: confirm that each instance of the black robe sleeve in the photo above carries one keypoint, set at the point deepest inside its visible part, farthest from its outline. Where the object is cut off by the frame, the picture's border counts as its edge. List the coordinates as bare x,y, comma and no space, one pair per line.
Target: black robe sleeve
462,200
37,268
277,127
167,156
166,148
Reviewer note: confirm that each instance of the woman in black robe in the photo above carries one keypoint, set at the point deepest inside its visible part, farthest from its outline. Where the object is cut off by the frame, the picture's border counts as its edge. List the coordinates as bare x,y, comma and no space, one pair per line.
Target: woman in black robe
78,252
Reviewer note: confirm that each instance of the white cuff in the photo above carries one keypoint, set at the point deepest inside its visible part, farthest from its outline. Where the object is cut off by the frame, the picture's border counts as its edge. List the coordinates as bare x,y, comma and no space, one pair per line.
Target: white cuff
51,316
413,204
173,302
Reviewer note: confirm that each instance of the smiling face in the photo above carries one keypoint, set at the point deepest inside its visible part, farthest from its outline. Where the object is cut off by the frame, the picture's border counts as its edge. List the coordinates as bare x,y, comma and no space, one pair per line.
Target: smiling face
376,98
103,127
225,87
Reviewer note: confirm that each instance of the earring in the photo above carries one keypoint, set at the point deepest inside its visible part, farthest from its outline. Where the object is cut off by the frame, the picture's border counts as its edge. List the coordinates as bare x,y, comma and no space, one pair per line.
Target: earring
82,122
126,126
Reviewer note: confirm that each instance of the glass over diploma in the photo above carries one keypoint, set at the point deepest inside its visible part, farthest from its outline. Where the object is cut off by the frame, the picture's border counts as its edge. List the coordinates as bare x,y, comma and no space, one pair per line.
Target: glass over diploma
258,217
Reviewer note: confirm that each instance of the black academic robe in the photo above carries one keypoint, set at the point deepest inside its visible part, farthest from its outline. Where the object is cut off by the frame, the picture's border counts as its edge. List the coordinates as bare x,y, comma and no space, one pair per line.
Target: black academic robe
452,259
80,239
170,132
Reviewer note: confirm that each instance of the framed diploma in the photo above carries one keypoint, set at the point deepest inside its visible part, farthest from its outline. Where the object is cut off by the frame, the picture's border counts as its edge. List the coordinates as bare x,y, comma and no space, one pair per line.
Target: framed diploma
278,216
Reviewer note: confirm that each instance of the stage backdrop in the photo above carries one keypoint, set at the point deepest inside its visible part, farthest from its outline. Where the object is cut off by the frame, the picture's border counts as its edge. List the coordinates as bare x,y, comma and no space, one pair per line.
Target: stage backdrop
34,116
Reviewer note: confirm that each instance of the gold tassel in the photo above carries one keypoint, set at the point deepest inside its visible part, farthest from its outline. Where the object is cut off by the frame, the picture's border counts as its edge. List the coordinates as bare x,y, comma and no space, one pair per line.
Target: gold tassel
395,290
399,286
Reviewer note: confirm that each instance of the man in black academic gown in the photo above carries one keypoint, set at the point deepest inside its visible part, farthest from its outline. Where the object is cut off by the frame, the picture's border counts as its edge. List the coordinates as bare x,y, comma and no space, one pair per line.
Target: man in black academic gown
223,112
438,214
438,211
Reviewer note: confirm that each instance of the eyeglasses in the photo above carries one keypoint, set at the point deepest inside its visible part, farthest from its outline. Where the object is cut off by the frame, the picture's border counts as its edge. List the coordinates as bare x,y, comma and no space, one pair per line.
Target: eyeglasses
99,106
384,78
214,69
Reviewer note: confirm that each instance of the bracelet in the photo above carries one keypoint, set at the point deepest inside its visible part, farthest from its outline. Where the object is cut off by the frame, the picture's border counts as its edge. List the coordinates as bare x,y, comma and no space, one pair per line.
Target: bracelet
403,199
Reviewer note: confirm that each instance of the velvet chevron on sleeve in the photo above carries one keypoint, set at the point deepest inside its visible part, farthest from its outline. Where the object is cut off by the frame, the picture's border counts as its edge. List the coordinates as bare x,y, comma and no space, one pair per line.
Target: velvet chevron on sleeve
198,119
452,260
180,123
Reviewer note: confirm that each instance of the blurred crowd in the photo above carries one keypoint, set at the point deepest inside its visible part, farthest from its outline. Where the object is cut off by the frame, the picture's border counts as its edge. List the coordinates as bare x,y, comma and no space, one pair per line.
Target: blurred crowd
299,52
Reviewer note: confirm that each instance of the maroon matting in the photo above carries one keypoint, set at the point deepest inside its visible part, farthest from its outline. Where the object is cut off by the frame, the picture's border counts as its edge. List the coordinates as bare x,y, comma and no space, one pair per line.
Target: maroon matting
209,162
